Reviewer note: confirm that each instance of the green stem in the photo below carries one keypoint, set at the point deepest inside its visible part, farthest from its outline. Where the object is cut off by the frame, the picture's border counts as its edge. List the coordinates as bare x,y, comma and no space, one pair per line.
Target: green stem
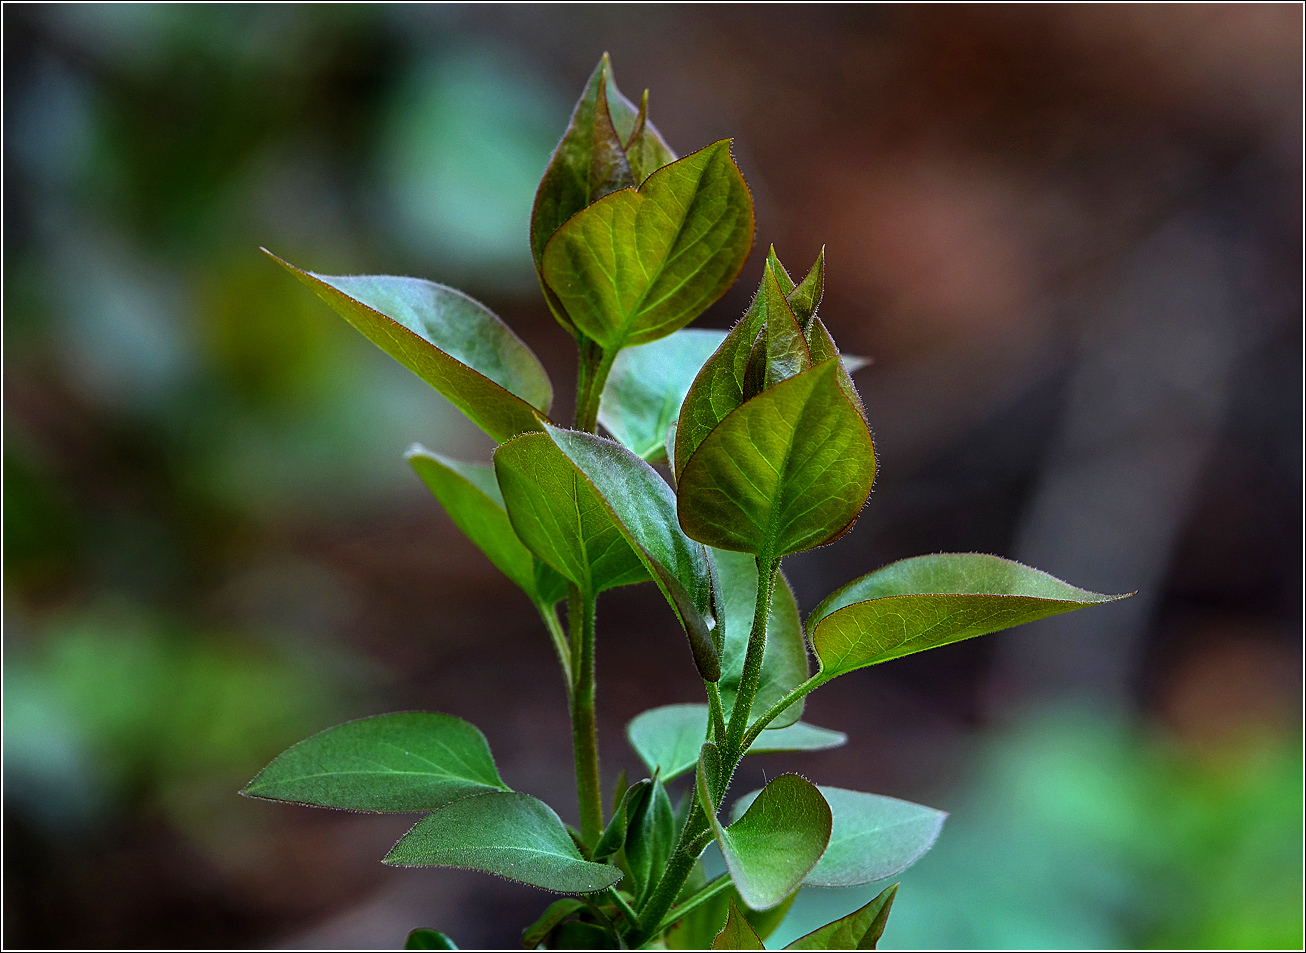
774,712
767,570
674,876
550,616
697,900
584,729
591,375
718,719
631,917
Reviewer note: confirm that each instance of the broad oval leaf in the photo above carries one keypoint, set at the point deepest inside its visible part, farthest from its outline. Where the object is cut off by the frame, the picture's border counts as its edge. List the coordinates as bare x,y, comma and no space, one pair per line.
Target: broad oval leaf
643,508
426,939
784,664
641,263
451,341
509,834
669,739
470,495
738,933
407,761
873,837
860,930
928,601
647,385
781,836
562,519
786,471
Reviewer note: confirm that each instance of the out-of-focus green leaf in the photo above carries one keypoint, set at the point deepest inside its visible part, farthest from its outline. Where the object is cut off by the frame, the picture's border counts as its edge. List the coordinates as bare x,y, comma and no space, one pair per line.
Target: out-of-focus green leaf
651,837
408,761
738,933
506,833
765,922
928,601
860,930
575,935
425,939
668,739
561,518
874,837
786,471
643,508
784,664
639,264
645,149
556,912
471,497
777,841
647,385
454,343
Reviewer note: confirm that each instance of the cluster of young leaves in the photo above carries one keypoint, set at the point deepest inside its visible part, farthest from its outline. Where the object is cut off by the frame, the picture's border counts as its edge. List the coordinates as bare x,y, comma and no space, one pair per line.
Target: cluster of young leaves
769,453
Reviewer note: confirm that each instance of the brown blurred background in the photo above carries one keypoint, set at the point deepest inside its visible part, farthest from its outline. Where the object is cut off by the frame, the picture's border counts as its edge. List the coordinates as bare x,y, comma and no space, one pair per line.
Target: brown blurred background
1069,236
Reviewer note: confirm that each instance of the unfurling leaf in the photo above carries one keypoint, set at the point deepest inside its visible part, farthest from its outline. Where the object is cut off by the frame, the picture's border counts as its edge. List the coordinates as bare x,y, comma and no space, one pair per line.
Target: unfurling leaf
429,940
650,838
639,264
928,601
738,933
451,341
471,497
408,761
509,834
860,930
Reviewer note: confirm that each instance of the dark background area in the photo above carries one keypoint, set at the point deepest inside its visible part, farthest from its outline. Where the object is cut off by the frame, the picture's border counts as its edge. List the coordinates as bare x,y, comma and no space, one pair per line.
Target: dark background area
1068,236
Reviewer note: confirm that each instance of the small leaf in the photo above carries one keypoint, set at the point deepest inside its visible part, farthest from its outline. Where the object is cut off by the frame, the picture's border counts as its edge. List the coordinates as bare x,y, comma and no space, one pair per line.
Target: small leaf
639,264
471,497
822,349
643,508
645,150
737,934
781,836
647,385
707,781
786,471
554,914
765,922
651,837
669,739
806,298
408,761
609,170
509,834
781,350
454,343
860,930
613,838
429,940
928,601
873,838
784,664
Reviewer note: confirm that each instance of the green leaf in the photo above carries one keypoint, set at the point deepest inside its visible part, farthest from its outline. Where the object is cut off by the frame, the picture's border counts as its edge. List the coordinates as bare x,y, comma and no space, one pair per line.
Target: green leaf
643,508
639,264
928,601
509,834
780,350
647,385
471,497
874,837
806,298
698,928
609,170
613,838
651,837
408,761
781,836
707,780
784,664
737,934
575,935
429,940
554,914
645,149
765,922
860,930
786,471
669,739
562,519
822,349
454,343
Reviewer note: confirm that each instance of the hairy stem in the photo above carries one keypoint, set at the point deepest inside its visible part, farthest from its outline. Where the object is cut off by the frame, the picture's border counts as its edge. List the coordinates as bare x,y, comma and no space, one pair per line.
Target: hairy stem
591,375
717,720
674,876
697,900
776,710
584,729
767,570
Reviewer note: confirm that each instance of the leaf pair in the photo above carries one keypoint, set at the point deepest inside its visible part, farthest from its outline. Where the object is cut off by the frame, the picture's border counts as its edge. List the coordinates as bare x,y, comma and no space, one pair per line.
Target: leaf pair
426,761
772,452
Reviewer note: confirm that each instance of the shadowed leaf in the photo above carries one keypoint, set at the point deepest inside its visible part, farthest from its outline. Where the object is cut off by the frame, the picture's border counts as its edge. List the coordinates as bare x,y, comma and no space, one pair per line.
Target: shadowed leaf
738,933
860,930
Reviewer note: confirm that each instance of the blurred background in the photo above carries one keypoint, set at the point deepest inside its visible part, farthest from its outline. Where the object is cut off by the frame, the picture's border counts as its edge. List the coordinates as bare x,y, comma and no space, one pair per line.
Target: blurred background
1068,236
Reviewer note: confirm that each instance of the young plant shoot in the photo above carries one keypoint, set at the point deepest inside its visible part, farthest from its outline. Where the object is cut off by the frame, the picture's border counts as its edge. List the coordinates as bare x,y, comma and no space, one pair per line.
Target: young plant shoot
770,454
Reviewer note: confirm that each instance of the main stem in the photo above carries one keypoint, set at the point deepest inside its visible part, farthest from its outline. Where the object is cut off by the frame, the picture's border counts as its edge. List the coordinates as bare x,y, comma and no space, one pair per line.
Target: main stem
767,569
591,374
584,729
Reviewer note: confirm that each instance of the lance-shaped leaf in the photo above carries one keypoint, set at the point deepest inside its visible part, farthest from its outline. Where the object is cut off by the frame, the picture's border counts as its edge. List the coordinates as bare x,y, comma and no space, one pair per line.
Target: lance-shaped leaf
781,836
470,495
451,341
643,508
509,834
738,933
645,149
408,761
787,471
650,837
784,664
668,739
860,930
822,348
562,519
928,601
780,350
641,263
647,385
556,912
613,838
609,169
425,939
873,836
